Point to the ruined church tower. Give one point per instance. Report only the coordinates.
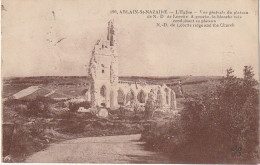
(103, 70)
(106, 91)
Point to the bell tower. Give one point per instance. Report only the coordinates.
(111, 33)
(103, 70)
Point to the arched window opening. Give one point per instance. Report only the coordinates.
(141, 96)
(103, 68)
(167, 95)
(159, 98)
(120, 97)
(103, 91)
(130, 96)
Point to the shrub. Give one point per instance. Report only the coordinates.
(222, 125)
(38, 106)
(27, 139)
(75, 106)
(34, 107)
(71, 126)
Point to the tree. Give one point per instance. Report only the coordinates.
(223, 124)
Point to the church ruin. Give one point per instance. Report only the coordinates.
(105, 87)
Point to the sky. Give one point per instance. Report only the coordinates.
(55, 38)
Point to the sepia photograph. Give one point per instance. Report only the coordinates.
(139, 82)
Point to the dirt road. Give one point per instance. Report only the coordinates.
(109, 149)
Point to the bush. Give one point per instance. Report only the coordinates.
(34, 107)
(39, 106)
(27, 139)
(222, 125)
(75, 106)
(71, 126)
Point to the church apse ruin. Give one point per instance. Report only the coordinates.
(108, 91)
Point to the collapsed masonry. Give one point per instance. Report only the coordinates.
(105, 88)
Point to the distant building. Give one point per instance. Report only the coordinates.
(105, 88)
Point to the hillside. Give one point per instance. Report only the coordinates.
(74, 86)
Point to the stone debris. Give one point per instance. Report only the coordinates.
(74, 100)
(77, 100)
(103, 113)
(82, 109)
(94, 110)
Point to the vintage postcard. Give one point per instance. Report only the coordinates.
(110, 81)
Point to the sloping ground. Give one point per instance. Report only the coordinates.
(48, 94)
(34, 91)
(192, 87)
(46, 80)
(71, 91)
(25, 92)
(69, 87)
(30, 93)
(58, 96)
(194, 79)
(41, 92)
(197, 89)
(82, 80)
(66, 92)
(10, 89)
